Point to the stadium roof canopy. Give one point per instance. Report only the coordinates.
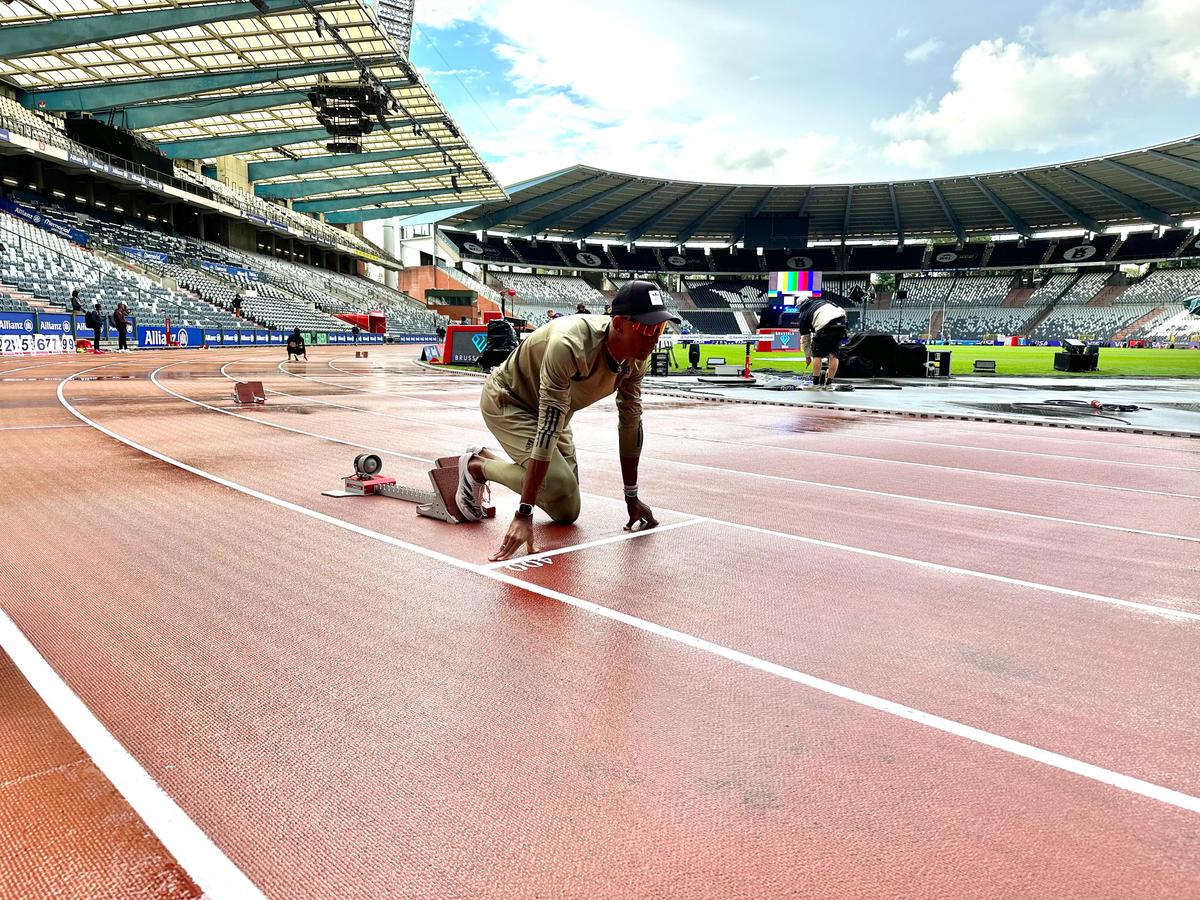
(1158, 185)
(209, 78)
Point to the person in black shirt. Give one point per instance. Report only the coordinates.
(295, 345)
(822, 327)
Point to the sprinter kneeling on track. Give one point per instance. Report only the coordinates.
(528, 400)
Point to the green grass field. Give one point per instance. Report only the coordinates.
(1009, 360)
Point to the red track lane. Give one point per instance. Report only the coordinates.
(1085, 559)
(64, 831)
(1005, 658)
(348, 719)
(1166, 514)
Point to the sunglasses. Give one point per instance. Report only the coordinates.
(647, 330)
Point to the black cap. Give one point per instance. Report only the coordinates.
(643, 301)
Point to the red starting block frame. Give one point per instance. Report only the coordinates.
(249, 393)
(435, 504)
(362, 354)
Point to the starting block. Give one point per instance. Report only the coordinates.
(361, 354)
(249, 392)
(435, 504)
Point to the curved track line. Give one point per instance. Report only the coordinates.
(949, 726)
(1161, 611)
(873, 459)
(952, 504)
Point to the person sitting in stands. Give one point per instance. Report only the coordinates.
(581, 309)
(295, 345)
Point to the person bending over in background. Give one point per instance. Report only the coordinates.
(295, 345)
(528, 401)
(822, 328)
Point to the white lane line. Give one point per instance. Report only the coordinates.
(37, 427)
(229, 412)
(900, 462)
(517, 563)
(949, 726)
(939, 444)
(967, 469)
(953, 504)
(204, 862)
(1162, 611)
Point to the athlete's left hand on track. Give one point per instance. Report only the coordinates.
(640, 516)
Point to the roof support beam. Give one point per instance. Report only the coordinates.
(1020, 226)
(1133, 204)
(596, 224)
(127, 93)
(336, 203)
(642, 227)
(740, 231)
(203, 148)
(291, 190)
(808, 195)
(896, 218)
(79, 31)
(1192, 164)
(1082, 219)
(1178, 188)
(171, 113)
(540, 225)
(955, 224)
(686, 235)
(488, 220)
(389, 212)
(846, 212)
(279, 168)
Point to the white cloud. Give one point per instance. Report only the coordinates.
(902, 32)
(1048, 90)
(923, 51)
(629, 89)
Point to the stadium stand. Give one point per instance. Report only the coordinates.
(562, 292)
(1087, 322)
(1163, 286)
(47, 268)
(468, 280)
(965, 290)
(974, 323)
(1051, 289)
(1084, 289)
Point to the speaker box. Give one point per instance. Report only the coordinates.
(1074, 362)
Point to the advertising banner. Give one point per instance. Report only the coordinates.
(17, 323)
(36, 218)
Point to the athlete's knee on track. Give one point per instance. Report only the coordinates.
(561, 496)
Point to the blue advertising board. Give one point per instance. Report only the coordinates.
(17, 323)
(139, 253)
(31, 215)
(54, 323)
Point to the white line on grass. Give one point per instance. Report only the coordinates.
(1017, 748)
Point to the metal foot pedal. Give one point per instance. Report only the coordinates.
(434, 504)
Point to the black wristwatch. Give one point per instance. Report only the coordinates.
(525, 511)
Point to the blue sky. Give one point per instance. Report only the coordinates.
(799, 92)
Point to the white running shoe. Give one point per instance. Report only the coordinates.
(469, 497)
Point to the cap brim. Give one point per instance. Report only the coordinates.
(657, 317)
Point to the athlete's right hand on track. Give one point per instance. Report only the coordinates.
(520, 533)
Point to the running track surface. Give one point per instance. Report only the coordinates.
(870, 656)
